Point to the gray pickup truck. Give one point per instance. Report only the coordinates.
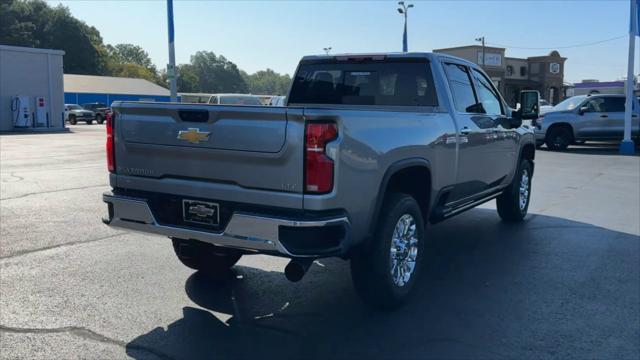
(368, 150)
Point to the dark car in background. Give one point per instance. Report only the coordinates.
(101, 110)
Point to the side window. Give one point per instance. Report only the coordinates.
(614, 104)
(461, 88)
(595, 105)
(488, 95)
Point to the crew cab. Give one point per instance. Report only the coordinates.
(366, 152)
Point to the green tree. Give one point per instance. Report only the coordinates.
(132, 71)
(187, 81)
(268, 82)
(130, 54)
(216, 74)
(128, 60)
(33, 23)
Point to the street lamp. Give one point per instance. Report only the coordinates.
(481, 39)
(327, 49)
(404, 10)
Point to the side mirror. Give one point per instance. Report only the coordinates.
(529, 105)
(583, 110)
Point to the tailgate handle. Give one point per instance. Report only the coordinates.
(200, 116)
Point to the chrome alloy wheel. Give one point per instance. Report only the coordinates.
(404, 250)
(524, 190)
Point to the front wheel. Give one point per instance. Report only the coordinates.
(558, 139)
(209, 259)
(513, 203)
(384, 272)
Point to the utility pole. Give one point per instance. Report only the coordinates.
(404, 10)
(171, 67)
(627, 147)
(327, 49)
(481, 39)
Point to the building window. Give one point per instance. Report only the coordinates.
(509, 70)
(523, 71)
(535, 68)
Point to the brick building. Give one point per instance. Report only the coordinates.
(510, 75)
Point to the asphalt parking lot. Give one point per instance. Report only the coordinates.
(566, 284)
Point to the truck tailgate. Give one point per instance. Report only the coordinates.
(248, 146)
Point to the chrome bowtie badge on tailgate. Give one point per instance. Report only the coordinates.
(193, 135)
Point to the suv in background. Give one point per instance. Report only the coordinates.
(582, 118)
(545, 107)
(74, 113)
(101, 110)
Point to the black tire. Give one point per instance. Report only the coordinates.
(99, 119)
(89, 122)
(211, 260)
(558, 138)
(509, 203)
(72, 120)
(371, 263)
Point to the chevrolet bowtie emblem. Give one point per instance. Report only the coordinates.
(193, 135)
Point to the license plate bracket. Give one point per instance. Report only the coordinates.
(201, 212)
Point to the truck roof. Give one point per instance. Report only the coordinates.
(397, 55)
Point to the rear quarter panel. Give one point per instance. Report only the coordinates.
(369, 143)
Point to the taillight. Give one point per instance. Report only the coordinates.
(318, 166)
(111, 156)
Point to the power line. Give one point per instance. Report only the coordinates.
(560, 47)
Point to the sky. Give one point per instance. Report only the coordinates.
(275, 34)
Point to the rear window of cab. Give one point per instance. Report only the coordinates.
(391, 82)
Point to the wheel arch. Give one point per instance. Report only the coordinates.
(564, 125)
(413, 171)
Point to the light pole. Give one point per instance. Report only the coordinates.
(404, 10)
(171, 68)
(327, 49)
(481, 39)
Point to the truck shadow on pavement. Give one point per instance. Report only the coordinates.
(550, 287)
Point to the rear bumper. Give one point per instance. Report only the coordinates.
(286, 236)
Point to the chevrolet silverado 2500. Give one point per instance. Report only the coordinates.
(367, 151)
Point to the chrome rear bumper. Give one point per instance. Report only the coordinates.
(243, 231)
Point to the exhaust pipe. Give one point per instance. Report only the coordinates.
(296, 268)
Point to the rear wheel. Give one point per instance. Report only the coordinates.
(72, 120)
(209, 259)
(99, 119)
(513, 203)
(558, 138)
(384, 272)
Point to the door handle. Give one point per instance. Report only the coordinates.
(604, 116)
(465, 131)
